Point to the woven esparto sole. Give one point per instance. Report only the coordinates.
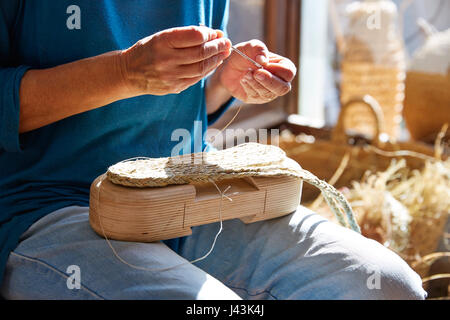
(249, 159)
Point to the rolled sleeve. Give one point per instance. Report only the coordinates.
(10, 79)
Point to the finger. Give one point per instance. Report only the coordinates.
(203, 67)
(271, 82)
(263, 92)
(191, 36)
(262, 59)
(251, 93)
(275, 58)
(220, 33)
(202, 52)
(255, 50)
(284, 69)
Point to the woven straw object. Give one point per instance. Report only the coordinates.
(250, 159)
(373, 63)
(427, 104)
(427, 91)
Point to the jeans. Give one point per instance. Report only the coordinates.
(298, 256)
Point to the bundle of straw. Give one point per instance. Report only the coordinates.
(404, 209)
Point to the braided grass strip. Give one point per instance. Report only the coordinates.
(245, 160)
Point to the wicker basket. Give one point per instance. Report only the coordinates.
(384, 84)
(373, 63)
(425, 234)
(323, 157)
(427, 104)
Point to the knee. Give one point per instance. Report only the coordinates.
(396, 280)
(350, 266)
(384, 275)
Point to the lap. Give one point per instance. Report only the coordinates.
(37, 269)
(302, 256)
(299, 256)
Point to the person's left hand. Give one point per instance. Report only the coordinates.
(244, 81)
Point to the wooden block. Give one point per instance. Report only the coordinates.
(153, 214)
(283, 196)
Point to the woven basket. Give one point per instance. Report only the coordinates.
(373, 63)
(323, 157)
(425, 234)
(427, 104)
(384, 84)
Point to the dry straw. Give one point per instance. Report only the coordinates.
(404, 209)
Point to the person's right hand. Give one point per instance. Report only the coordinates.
(172, 60)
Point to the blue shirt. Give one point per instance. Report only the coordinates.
(52, 167)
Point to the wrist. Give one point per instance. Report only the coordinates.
(127, 81)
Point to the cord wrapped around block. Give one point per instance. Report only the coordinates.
(245, 160)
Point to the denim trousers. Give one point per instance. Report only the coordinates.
(299, 256)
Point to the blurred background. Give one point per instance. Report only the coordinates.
(319, 58)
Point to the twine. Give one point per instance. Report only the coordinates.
(226, 126)
(401, 153)
(336, 176)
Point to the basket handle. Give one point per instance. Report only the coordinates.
(427, 28)
(339, 135)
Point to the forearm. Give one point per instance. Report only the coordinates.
(216, 94)
(49, 95)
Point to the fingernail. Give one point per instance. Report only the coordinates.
(224, 45)
(219, 33)
(259, 76)
(248, 75)
(243, 81)
(261, 59)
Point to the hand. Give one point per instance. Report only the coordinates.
(172, 60)
(245, 82)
